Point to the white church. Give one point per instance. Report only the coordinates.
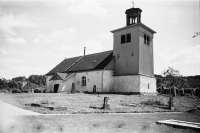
(128, 68)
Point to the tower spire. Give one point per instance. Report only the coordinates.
(133, 3)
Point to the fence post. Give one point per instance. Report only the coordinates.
(94, 89)
(105, 103)
(73, 88)
(171, 103)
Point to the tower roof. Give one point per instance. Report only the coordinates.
(133, 10)
(134, 25)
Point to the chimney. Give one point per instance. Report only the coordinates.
(84, 51)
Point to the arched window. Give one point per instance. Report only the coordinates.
(83, 81)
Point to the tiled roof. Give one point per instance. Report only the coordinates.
(93, 61)
(64, 65)
(82, 63)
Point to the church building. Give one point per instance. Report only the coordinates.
(128, 68)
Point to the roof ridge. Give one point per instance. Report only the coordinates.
(99, 52)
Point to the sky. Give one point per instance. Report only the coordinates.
(35, 36)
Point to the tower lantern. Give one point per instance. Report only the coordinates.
(133, 16)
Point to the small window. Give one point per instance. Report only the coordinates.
(83, 81)
(125, 38)
(148, 85)
(122, 39)
(146, 39)
(128, 37)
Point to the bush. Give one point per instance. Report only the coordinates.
(16, 91)
(197, 92)
(4, 91)
(152, 102)
(25, 91)
(78, 91)
(37, 90)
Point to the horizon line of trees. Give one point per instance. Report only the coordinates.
(171, 79)
(22, 84)
(168, 79)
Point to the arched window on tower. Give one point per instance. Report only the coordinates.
(83, 81)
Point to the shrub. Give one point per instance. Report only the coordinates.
(16, 91)
(25, 91)
(197, 92)
(4, 91)
(37, 90)
(78, 91)
(152, 102)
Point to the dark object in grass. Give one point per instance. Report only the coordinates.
(48, 107)
(171, 103)
(35, 105)
(39, 128)
(116, 93)
(106, 106)
(194, 111)
(95, 125)
(120, 125)
(105, 103)
(60, 128)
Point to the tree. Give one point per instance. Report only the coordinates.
(171, 77)
(13, 84)
(19, 79)
(3, 83)
(37, 79)
(181, 83)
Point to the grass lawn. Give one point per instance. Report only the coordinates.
(80, 103)
(103, 123)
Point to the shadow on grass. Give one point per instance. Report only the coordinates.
(116, 93)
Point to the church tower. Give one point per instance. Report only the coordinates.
(133, 51)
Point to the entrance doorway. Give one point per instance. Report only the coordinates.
(56, 86)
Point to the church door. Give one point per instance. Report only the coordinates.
(56, 86)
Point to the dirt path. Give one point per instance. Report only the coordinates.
(7, 109)
(9, 123)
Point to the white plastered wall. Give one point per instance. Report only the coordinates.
(134, 83)
(126, 83)
(147, 84)
(92, 78)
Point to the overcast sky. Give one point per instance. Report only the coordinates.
(37, 35)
